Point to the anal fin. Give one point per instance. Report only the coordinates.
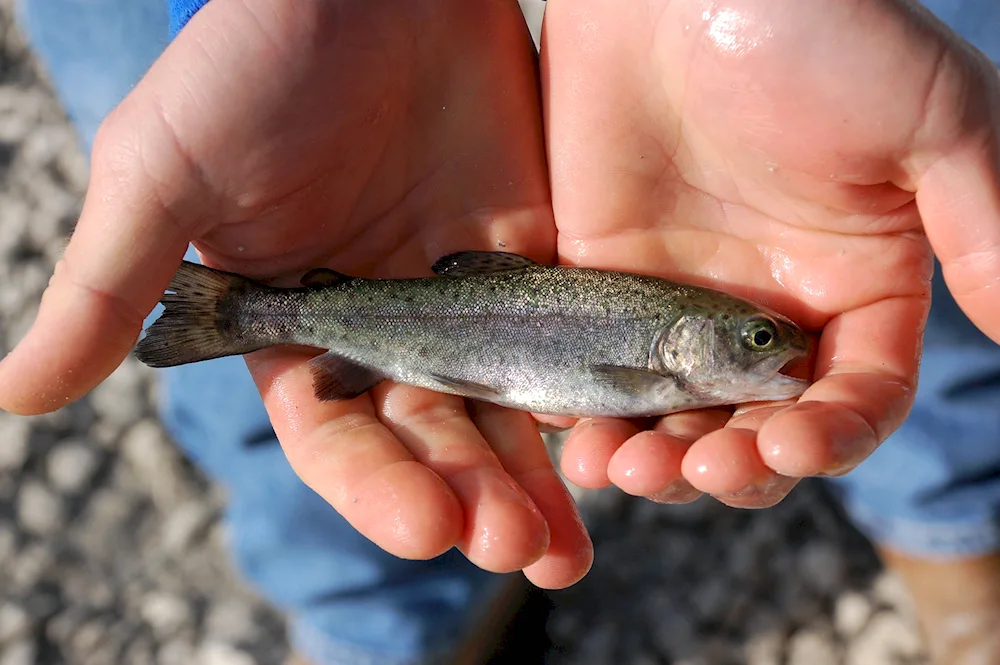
(336, 378)
(468, 388)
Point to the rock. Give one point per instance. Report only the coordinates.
(890, 590)
(165, 613)
(176, 652)
(105, 515)
(185, 525)
(851, 613)
(822, 567)
(220, 653)
(231, 621)
(765, 648)
(812, 647)
(120, 397)
(87, 639)
(8, 542)
(712, 597)
(39, 511)
(15, 432)
(155, 462)
(71, 466)
(675, 634)
(887, 638)
(14, 622)
(19, 653)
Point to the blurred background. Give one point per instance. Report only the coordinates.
(112, 550)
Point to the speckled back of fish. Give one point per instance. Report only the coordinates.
(496, 327)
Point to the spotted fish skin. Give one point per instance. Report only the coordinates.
(497, 327)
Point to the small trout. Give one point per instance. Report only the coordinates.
(496, 327)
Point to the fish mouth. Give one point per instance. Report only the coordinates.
(787, 380)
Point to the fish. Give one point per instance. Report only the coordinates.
(495, 327)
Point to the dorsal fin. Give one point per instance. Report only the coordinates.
(323, 277)
(462, 264)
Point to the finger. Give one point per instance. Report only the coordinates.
(122, 254)
(649, 463)
(503, 529)
(346, 455)
(726, 464)
(589, 448)
(867, 367)
(515, 440)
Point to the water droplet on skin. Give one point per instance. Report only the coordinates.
(734, 32)
(240, 248)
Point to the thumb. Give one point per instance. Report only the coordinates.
(958, 196)
(126, 246)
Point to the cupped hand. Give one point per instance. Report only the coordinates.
(812, 156)
(371, 137)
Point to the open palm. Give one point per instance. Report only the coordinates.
(371, 137)
(807, 155)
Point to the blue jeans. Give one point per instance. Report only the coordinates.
(933, 488)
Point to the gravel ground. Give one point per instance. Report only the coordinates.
(111, 549)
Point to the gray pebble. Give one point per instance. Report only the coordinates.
(176, 652)
(120, 398)
(165, 613)
(39, 510)
(185, 525)
(220, 653)
(14, 622)
(19, 653)
(765, 648)
(71, 466)
(231, 620)
(821, 565)
(8, 541)
(812, 647)
(598, 646)
(890, 590)
(851, 613)
(14, 435)
(887, 638)
(155, 463)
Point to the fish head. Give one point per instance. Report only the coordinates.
(731, 351)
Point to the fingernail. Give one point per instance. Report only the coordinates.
(761, 495)
(678, 492)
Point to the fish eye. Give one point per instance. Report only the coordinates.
(759, 334)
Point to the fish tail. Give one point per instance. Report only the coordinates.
(201, 320)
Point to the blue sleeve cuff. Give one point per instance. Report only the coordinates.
(181, 12)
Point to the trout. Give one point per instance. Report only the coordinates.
(496, 327)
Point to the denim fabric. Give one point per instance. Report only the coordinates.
(934, 487)
(181, 12)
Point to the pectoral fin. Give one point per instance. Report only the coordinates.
(462, 264)
(337, 378)
(634, 381)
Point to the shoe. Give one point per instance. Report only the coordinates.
(957, 602)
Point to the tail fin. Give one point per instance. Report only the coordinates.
(200, 321)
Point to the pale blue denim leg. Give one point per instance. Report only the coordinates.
(933, 488)
(351, 602)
